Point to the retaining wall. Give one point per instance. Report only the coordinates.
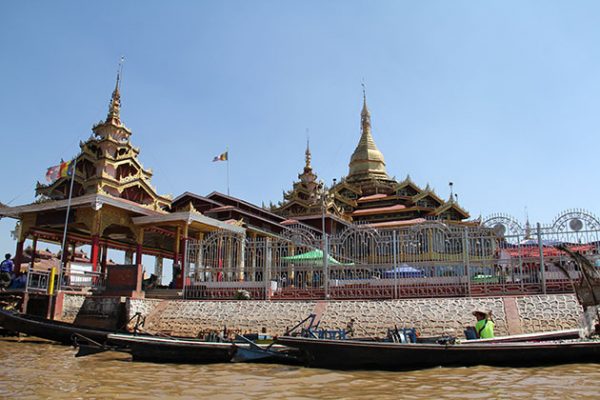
(512, 315)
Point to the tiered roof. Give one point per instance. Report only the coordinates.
(108, 164)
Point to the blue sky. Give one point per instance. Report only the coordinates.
(499, 97)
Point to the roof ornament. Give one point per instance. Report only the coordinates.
(307, 153)
(451, 199)
(114, 108)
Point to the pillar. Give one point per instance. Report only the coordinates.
(241, 257)
(176, 258)
(33, 250)
(158, 268)
(104, 257)
(18, 256)
(95, 251)
(128, 257)
(138, 248)
(183, 256)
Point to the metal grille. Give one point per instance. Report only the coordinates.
(432, 259)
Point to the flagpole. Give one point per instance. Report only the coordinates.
(227, 152)
(64, 239)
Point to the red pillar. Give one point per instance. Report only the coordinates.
(18, 257)
(95, 249)
(138, 254)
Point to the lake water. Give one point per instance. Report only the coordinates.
(35, 369)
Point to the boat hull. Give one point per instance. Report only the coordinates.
(56, 331)
(349, 354)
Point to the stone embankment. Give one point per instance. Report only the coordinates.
(512, 315)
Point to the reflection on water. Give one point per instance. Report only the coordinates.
(41, 370)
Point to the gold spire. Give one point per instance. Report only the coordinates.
(366, 161)
(307, 153)
(114, 108)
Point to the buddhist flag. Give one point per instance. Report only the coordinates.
(221, 157)
(66, 169)
(62, 170)
(53, 173)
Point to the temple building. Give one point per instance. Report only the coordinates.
(367, 195)
(113, 205)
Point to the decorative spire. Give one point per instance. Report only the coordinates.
(366, 161)
(451, 199)
(114, 108)
(307, 153)
(365, 115)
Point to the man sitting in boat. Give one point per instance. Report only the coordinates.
(484, 326)
(6, 272)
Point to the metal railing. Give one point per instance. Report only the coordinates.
(41, 281)
(432, 259)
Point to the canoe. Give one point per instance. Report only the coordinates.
(56, 331)
(192, 351)
(353, 354)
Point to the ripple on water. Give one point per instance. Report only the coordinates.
(42, 370)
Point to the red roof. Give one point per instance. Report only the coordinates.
(372, 197)
(379, 210)
(397, 223)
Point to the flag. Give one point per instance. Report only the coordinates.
(221, 157)
(66, 169)
(53, 173)
(62, 170)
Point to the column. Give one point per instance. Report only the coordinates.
(158, 268)
(95, 251)
(241, 256)
(128, 257)
(176, 257)
(183, 256)
(138, 249)
(33, 251)
(104, 257)
(18, 256)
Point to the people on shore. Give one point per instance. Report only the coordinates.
(6, 272)
(484, 328)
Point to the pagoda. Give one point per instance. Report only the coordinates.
(108, 164)
(307, 196)
(368, 195)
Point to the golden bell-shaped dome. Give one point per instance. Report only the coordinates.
(366, 161)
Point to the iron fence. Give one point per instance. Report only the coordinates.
(496, 256)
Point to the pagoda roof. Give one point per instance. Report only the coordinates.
(391, 224)
(372, 197)
(379, 210)
(89, 200)
(189, 217)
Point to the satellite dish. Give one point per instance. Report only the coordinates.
(576, 224)
(499, 229)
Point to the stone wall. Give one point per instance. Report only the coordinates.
(372, 318)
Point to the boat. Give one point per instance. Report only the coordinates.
(354, 354)
(195, 351)
(57, 331)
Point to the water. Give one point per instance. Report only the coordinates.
(35, 369)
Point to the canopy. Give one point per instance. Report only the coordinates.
(314, 257)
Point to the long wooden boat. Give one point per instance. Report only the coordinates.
(196, 351)
(57, 331)
(353, 354)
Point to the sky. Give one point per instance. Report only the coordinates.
(499, 97)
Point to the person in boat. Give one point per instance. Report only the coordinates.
(350, 328)
(484, 328)
(6, 271)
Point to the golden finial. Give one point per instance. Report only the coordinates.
(114, 108)
(307, 153)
